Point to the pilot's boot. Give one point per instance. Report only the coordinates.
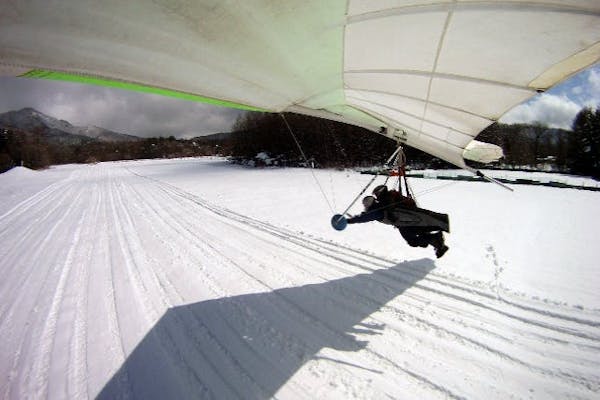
(438, 243)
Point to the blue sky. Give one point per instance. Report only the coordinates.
(151, 115)
(558, 106)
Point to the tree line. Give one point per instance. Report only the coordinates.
(536, 146)
(325, 143)
(36, 151)
(332, 144)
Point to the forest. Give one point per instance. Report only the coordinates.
(332, 144)
(323, 143)
(36, 151)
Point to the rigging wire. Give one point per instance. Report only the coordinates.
(400, 168)
(389, 160)
(338, 147)
(435, 189)
(307, 162)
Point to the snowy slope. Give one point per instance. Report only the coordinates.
(197, 279)
(31, 120)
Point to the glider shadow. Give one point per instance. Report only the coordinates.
(249, 346)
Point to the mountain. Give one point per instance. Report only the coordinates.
(217, 137)
(59, 131)
(105, 135)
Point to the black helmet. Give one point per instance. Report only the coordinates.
(379, 190)
(368, 201)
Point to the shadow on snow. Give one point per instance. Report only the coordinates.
(248, 346)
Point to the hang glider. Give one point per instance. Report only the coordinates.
(431, 74)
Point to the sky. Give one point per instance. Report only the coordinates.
(558, 106)
(148, 115)
(123, 111)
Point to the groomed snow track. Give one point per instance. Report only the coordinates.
(118, 285)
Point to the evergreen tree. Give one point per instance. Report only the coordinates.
(327, 143)
(584, 143)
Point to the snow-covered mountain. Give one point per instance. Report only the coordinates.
(31, 120)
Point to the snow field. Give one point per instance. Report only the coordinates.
(197, 279)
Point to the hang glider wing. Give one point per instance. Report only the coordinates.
(430, 73)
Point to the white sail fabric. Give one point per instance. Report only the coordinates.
(431, 73)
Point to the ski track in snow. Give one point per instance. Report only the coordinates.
(118, 285)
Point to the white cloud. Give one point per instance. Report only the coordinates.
(594, 79)
(558, 107)
(578, 90)
(548, 109)
(586, 88)
(119, 110)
